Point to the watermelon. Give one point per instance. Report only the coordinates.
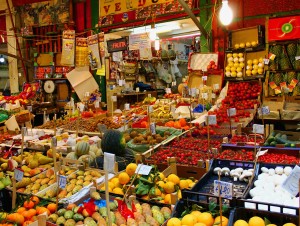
(113, 142)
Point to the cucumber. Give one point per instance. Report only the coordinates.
(273, 143)
(279, 140)
(272, 134)
(270, 139)
(266, 144)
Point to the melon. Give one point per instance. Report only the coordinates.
(86, 159)
(92, 154)
(113, 142)
(72, 155)
(82, 148)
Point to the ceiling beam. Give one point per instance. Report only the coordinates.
(194, 18)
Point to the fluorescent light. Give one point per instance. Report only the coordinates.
(226, 14)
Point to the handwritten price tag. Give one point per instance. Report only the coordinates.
(150, 109)
(225, 189)
(168, 90)
(109, 162)
(143, 169)
(266, 61)
(153, 128)
(18, 174)
(231, 112)
(212, 120)
(204, 78)
(257, 128)
(265, 110)
(291, 183)
(62, 182)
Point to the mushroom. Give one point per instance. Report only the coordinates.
(245, 176)
(264, 170)
(279, 170)
(239, 170)
(235, 175)
(217, 170)
(287, 170)
(271, 172)
(225, 171)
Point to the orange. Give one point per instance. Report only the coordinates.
(26, 214)
(289, 224)
(174, 221)
(199, 224)
(69, 207)
(206, 218)
(131, 168)
(28, 204)
(52, 207)
(182, 122)
(224, 221)
(240, 223)
(32, 212)
(35, 199)
(196, 213)
(16, 218)
(42, 210)
(21, 210)
(256, 221)
(124, 178)
(189, 220)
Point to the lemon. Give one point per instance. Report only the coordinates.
(196, 213)
(169, 187)
(116, 182)
(224, 221)
(206, 218)
(256, 221)
(131, 168)
(174, 221)
(289, 224)
(124, 178)
(118, 191)
(240, 223)
(183, 184)
(174, 178)
(162, 176)
(189, 220)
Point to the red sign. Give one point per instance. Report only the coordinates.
(284, 28)
(117, 45)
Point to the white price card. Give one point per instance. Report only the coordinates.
(261, 152)
(114, 98)
(297, 57)
(18, 174)
(204, 96)
(137, 89)
(216, 86)
(153, 128)
(174, 83)
(231, 112)
(143, 169)
(223, 189)
(109, 162)
(168, 90)
(257, 128)
(204, 78)
(62, 182)
(264, 110)
(212, 119)
(266, 61)
(53, 142)
(150, 109)
(291, 183)
(149, 94)
(127, 106)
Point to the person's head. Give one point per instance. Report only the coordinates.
(113, 142)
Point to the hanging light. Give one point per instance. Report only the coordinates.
(156, 44)
(226, 14)
(2, 59)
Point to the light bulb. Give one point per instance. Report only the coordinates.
(156, 44)
(153, 34)
(2, 59)
(226, 14)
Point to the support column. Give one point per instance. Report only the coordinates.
(12, 49)
(205, 21)
(95, 18)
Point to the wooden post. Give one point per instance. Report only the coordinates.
(14, 194)
(22, 143)
(208, 136)
(220, 199)
(107, 199)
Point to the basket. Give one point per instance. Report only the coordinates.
(201, 192)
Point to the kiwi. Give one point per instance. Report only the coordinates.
(167, 133)
(127, 138)
(144, 142)
(133, 134)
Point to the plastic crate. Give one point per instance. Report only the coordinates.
(275, 218)
(250, 204)
(201, 192)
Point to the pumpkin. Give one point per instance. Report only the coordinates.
(72, 155)
(86, 159)
(113, 142)
(92, 154)
(16, 218)
(82, 148)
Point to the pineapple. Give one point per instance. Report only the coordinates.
(292, 51)
(296, 90)
(270, 90)
(278, 78)
(284, 61)
(290, 76)
(276, 49)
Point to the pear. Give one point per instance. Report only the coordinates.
(44, 160)
(34, 163)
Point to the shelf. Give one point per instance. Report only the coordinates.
(50, 79)
(287, 70)
(243, 78)
(263, 147)
(246, 49)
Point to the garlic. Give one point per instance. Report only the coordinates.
(287, 170)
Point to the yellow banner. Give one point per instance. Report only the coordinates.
(108, 7)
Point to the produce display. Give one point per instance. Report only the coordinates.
(253, 221)
(145, 137)
(249, 44)
(179, 124)
(267, 186)
(156, 186)
(245, 139)
(279, 138)
(235, 65)
(255, 67)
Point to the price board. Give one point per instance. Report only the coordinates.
(223, 189)
(62, 181)
(143, 169)
(18, 174)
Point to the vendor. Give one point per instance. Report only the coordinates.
(113, 142)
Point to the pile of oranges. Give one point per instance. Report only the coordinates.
(28, 213)
(180, 124)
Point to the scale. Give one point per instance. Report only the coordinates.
(49, 88)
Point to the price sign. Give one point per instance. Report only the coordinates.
(150, 109)
(291, 183)
(213, 95)
(127, 106)
(168, 90)
(114, 98)
(143, 169)
(153, 128)
(174, 83)
(62, 182)
(260, 153)
(109, 162)
(216, 86)
(204, 78)
(266, 61)
(297, 57)
(18, 174)
(137, 89)
(53, 141)
(149, 94)
(231, 112)
(204, 96)
(265, 110)
(225, 189)
(257, 128)
(212, 119)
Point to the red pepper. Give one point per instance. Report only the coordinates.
(123, 209)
